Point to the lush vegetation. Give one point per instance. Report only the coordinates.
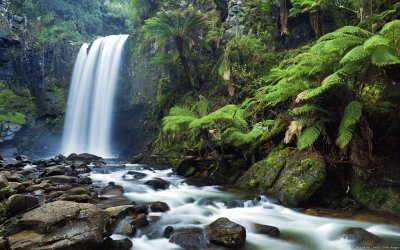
(15, 108)
(322, 95)
(74, 20)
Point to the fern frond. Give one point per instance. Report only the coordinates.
(237, 138)
(376, 41)
(177, 123)
(352, 115)
(181, 111)
(307, 108)
(384, 56)
(356, 54)
(309, 136)
(390, 29)
(329, 82)
(346, 30)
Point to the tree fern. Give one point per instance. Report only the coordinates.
(347, 31)
(356, 54)
(307, 108)
(352, 115)
(309, 135)
(375, 41)
(384, 56)
(237, 138)
(329, 82)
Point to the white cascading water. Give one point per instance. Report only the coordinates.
(87, 127)
(199, 206)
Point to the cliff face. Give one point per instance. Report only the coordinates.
(39, 41)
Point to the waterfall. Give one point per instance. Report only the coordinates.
(88, 120)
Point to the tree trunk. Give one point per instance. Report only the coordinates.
(317, 23)
(180, 46)
(284, 17)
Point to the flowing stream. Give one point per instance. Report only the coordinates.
(199, 206)
(88, 120)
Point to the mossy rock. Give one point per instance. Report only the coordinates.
(290, 175)
(263, 173)
(385, 199)
(302, 175)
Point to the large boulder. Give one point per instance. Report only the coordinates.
(83, 157)
(290, 175)
(188, 237)
(112, 189)
(19, 203)
(3, 181)
(378, 198)
(224, 232)
(158, 184)
(58, 225)
(361, 237)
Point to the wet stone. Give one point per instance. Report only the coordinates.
(224, 232)
(267, 230)
(159, 207)
(188, 237)
(111, 244)
(157, 184)
(140, 221)
(112, 189)
(134, 175)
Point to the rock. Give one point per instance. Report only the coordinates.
(361, 237)
(126, 229)
(41, 186)
(159, 207)
(378, 198)
(111, 244)
(289, 175)
(23, 159)
(61, 179)
(134, 175)
(188, 238)
(224, 232)
(4, 244)
(120, 212)
(54, 171)
(13, 176)
(81, 198)
(99, 164)
(83, 157)
(112, 189)
(84, 181)
(54, 195)
(78, 191)
(141, 209)
(267, 230)
(3, 181)
(82, 169)
(19, 203)
(158, 184)
(6, 192)
(140, 221)
(59, 224)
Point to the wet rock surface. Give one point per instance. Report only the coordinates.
(157, 184)
(224, 232)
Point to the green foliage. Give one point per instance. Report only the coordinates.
(352, 115)
(238, 138)
(185, 24)
(309, 136)
(16, 108)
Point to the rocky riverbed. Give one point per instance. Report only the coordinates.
(85, 202)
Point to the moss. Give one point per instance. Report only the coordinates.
(16, 107)
(287, 174)
(386, 199)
